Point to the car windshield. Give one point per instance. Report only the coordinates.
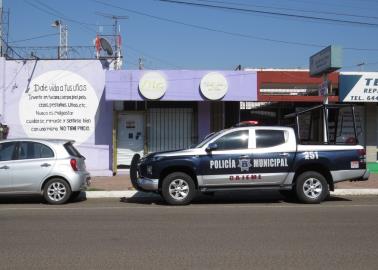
(208, 138)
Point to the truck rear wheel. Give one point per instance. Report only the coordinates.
(311, 187)
(178, 188)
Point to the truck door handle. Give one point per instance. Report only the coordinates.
(45, 165)
(283, 154)
(244, 156)
(5, 167)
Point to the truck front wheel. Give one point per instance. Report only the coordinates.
(311, 187)
(178, 188)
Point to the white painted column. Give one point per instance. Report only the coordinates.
(371, 132)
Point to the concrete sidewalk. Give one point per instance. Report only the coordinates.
(120, 186)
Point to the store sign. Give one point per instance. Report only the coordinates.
(214, 86)
(152, 85)
(325, 61)
(362, 87)
(59, 104)
(323, 88)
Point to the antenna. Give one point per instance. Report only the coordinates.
(105, 45)
(117, 36)
(63, 39)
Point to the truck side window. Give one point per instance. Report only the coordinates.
(234, 140)
(269, 138)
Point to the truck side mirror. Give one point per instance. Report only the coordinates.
(211, 147)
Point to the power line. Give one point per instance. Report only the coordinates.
(64, 16)
(153, 57)
(227, 32)
(48, 11)
(329, 3)
(32, 38)
(292, 9)
(280, 14)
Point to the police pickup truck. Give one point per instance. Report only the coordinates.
(249, 157)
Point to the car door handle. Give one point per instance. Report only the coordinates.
(45, 165)
(5, 167)
(283, 154)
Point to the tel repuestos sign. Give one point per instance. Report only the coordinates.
(59, 104)
(361, 87)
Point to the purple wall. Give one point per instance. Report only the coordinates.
(183, 85)
(203, 119)
(15, 75)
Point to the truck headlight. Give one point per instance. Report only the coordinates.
(157, 158)
(149, 170)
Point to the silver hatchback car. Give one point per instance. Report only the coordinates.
(52, 168)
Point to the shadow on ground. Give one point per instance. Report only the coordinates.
(34, 199)
(229, 197)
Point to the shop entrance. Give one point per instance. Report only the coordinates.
(130, 137)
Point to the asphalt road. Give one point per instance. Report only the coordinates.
(221, 232)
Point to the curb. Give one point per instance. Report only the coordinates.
(138, 194)
(118, 194)
(355, 192)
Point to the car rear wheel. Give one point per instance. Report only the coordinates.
(311, 187)
(178, 188)
(57, 191)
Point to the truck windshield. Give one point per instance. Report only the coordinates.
(208, 138)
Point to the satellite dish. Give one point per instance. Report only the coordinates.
(105, 45)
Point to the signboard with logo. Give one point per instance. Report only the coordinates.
(214, 86)
(181, 85)
(323, 88)
(359, 87)
(59, 104)
(325, 61)
(152, 85)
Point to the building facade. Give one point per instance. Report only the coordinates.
(59, 99)
(112, 114)
(172, 109)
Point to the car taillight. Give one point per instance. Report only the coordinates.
(73, 163)
(362, 155)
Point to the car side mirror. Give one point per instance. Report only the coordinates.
(211, 147)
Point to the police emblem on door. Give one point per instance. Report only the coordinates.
(244, 164)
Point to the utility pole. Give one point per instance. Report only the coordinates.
(4, 29)
(117, 37)
(1, 27)
(141, 65)
(361, 66)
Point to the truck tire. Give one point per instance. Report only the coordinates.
(178, 188)
(311, 187)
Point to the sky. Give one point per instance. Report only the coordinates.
(208, 34)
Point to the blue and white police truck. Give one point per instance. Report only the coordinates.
(250, 157)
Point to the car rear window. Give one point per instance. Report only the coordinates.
(72, 150)
(269, 138)
(33, 150)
